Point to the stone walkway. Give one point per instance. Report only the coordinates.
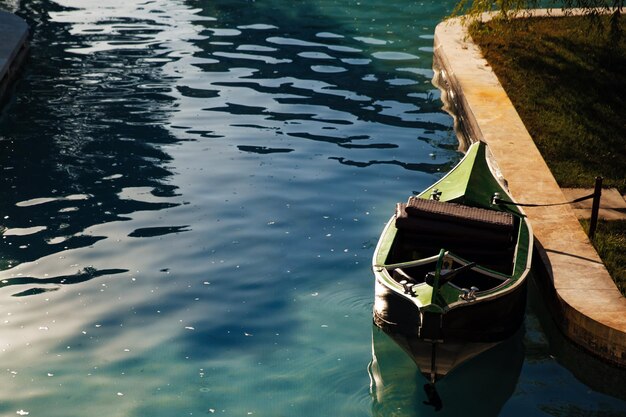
(612, 203)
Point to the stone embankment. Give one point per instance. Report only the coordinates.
(13, 50)
(583, 298)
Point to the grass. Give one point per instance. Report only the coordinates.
(567, 81)
(610, 242)
(569, 88)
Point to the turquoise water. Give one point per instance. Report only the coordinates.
(191, 195)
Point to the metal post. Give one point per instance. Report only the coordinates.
(595, 207)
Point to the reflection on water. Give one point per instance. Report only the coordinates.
(595, 373)
(478, 387)
(190, 196)
(69, 149)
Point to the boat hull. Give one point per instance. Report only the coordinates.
(486, 321)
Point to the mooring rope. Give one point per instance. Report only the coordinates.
(497, 200)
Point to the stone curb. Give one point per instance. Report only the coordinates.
(584, 300)
(13, 50)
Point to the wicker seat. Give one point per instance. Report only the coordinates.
(477, 234)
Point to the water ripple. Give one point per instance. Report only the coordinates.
(191, 193)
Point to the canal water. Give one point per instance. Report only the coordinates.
(190, 196)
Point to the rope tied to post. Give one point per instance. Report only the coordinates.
(595, 207)
(497, 200)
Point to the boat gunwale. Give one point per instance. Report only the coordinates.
(514, 280)
(507, 286)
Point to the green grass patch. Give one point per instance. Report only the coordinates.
(567, 81)
(610, 241)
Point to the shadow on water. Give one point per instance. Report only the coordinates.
(591, 371)
(81, 276)
(480, 386)
(68, 148)
(90, 123)
(333, 80)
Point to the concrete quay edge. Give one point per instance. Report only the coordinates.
(13, 49)
(584, 301)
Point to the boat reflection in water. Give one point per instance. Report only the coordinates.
(479, 377)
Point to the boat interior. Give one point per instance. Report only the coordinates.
(425, 227)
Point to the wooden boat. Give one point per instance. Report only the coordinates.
(451, 264)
